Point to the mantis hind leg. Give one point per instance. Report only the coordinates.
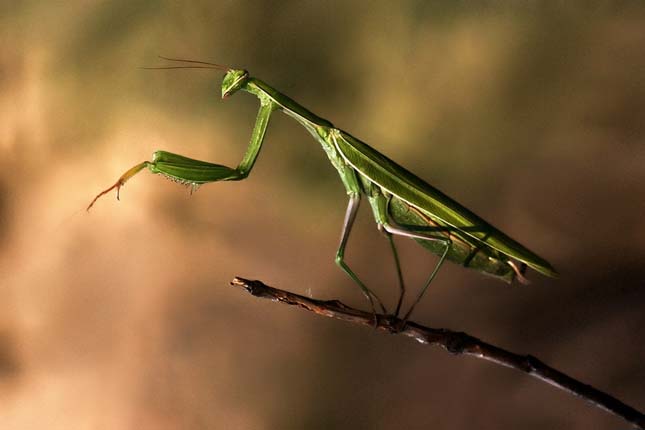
(350, 216)
(399, 273)
(406, 233)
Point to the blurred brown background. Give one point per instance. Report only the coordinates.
(533, 116)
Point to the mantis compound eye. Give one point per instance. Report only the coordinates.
(233, 81)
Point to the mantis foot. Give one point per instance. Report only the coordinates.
(119, 183)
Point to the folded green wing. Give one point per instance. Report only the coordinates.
(407, 186)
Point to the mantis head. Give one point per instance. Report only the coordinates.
(233, 81)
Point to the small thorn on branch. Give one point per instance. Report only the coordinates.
(457, 343)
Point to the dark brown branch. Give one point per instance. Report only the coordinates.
(452, 341)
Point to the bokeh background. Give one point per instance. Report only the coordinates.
(531, 115)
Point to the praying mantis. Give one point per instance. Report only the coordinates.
(402, 204)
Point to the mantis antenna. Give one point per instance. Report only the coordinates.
(204, 64)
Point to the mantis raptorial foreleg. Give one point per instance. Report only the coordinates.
(195, 172)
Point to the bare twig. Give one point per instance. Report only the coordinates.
(452, 341)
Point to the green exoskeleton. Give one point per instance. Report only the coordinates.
(402, 203)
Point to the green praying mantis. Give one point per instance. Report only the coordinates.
(402, 203)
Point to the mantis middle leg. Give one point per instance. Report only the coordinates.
(350, 216)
